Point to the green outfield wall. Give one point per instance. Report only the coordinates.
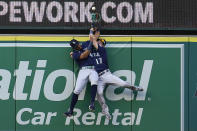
(37, 77)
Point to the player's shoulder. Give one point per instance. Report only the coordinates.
(85, 44)
(101, 47)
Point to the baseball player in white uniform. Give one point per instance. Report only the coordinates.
(86, 73)
(105, 76)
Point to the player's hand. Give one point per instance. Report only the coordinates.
(71, 54)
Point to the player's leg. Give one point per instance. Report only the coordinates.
(100, 89)
(93, 78)
(101, 99)
(116, 81)
(82, 80)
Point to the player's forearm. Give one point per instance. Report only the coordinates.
(85, 54)
(95, 44)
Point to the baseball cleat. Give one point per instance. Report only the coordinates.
(136, 88)
(68, 114)
(91, 107)
(108, 116)
(106, 113)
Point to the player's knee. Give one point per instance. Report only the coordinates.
(94, 83)
(100, 92)
(77, 92)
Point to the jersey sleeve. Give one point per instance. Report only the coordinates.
(76, 55)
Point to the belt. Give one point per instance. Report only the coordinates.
(87, 67)
(103, 72)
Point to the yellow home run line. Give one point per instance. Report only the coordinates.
(44, 38)
(160, 39)
(7, 38)
(193, 39)
(107, 38)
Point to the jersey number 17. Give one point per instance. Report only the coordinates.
(99, 61)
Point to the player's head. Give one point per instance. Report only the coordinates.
(101, 42)
(75, 44)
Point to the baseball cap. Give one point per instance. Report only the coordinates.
(102, 40)
(74, 43)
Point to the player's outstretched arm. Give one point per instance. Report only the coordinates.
(95, 44)
(94, 39)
